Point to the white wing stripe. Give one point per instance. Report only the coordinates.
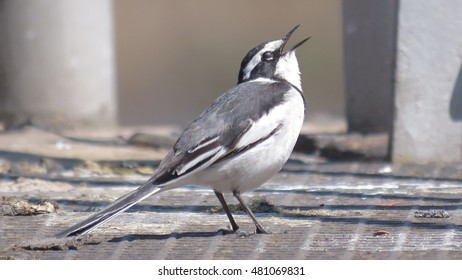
(198, 159)
(203, 145)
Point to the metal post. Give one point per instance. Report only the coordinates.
(369, 36)
(57, 61)
(428, 96)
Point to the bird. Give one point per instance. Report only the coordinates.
(238, 143)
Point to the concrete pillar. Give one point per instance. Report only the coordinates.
(57, 61)
(428, 95)
(369, 36)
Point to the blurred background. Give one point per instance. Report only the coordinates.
(166, 60)
(175, 57)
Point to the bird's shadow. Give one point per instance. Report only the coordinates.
(176, 235)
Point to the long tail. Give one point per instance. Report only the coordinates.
(111, 211)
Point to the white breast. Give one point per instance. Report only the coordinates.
(253, 167)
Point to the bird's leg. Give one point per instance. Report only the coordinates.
(226, 209)
(259, 229)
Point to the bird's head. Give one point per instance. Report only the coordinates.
(270, 60)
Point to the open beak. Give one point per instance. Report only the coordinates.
(286, 38)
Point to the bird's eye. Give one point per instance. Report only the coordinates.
(267, 56)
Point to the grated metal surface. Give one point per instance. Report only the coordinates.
(324, 211)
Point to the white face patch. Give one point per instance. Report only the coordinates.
(271, 46)
(287, 68)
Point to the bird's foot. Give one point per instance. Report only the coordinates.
(242, 233)
(228, 230)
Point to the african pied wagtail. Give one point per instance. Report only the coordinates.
(237, 143)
